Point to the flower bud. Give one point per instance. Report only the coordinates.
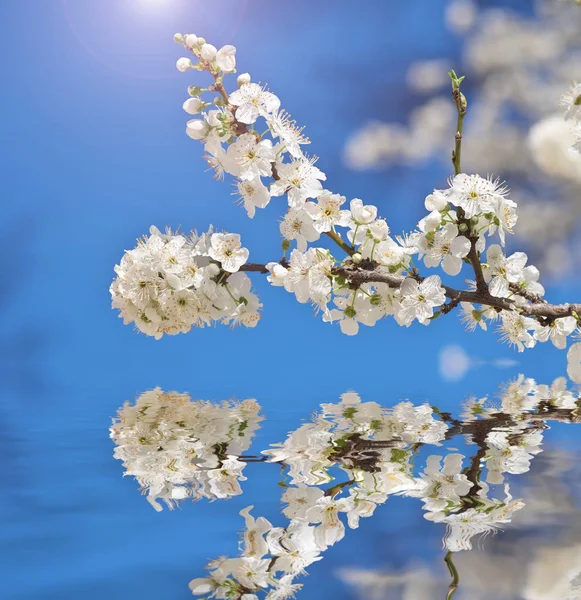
(357, 258)
(285, 245)
(197, 129)
(178, 38)
(242, 79)
(350, 312)
(208, 52)
(212, 270)
(191, 40)
(183, 64)
(194, 90)
(193, 106)
(201, 41)
(463, 227)
(436, 201)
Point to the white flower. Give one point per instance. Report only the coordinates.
(291, 136)
(430, 222)
(277, 274)
(253, 194)
(572, 103)
(362, 215)
(503, 270)
(387, 252)
(297, 280)
(226, 59)
(227, 250)
(254, 542)
(510, 452)
(300, 499)
(351, 311)
(463, 526)
(574, 363)
(284, 588)
(253, 158)
(202, 585)
(448, 248)
(506, 217)
(436, 201)
(298, 225)
(326, 512)
(252, 101)
(474, 194)
(557, 331)
(441, 485)
(252, 572)
(326, 213)
(472, 317)
(516, 329)
(418, 300)
(295, 548)
(183, 64)
(300, 180)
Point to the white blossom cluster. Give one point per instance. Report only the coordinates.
(177, 448)
(272, 557)
(340, 466)
(519, 62)
(546, 567)
(447, 498)
(171, 282)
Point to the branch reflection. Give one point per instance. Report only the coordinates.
(339, 467)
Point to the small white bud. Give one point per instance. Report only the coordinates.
(357, 258)
(208, 52)
(243, 78)
(193, 106)
(437, 201)
(178, 38)
(183, 64)
(197, 129)
(191, 40)
(201, 41)
(212, 270)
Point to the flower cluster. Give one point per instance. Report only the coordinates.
(170, 283)
(340, 466)
(177, 448)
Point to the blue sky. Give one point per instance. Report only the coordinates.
(94, 153)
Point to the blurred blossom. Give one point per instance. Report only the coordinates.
(518, 66)
(453, 363)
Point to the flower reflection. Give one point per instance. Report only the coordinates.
(340, 466)
(178, 448)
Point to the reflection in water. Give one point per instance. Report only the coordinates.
(177, 448)
(538, 558)
(340, 466)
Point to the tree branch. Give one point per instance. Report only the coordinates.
(371, 273)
